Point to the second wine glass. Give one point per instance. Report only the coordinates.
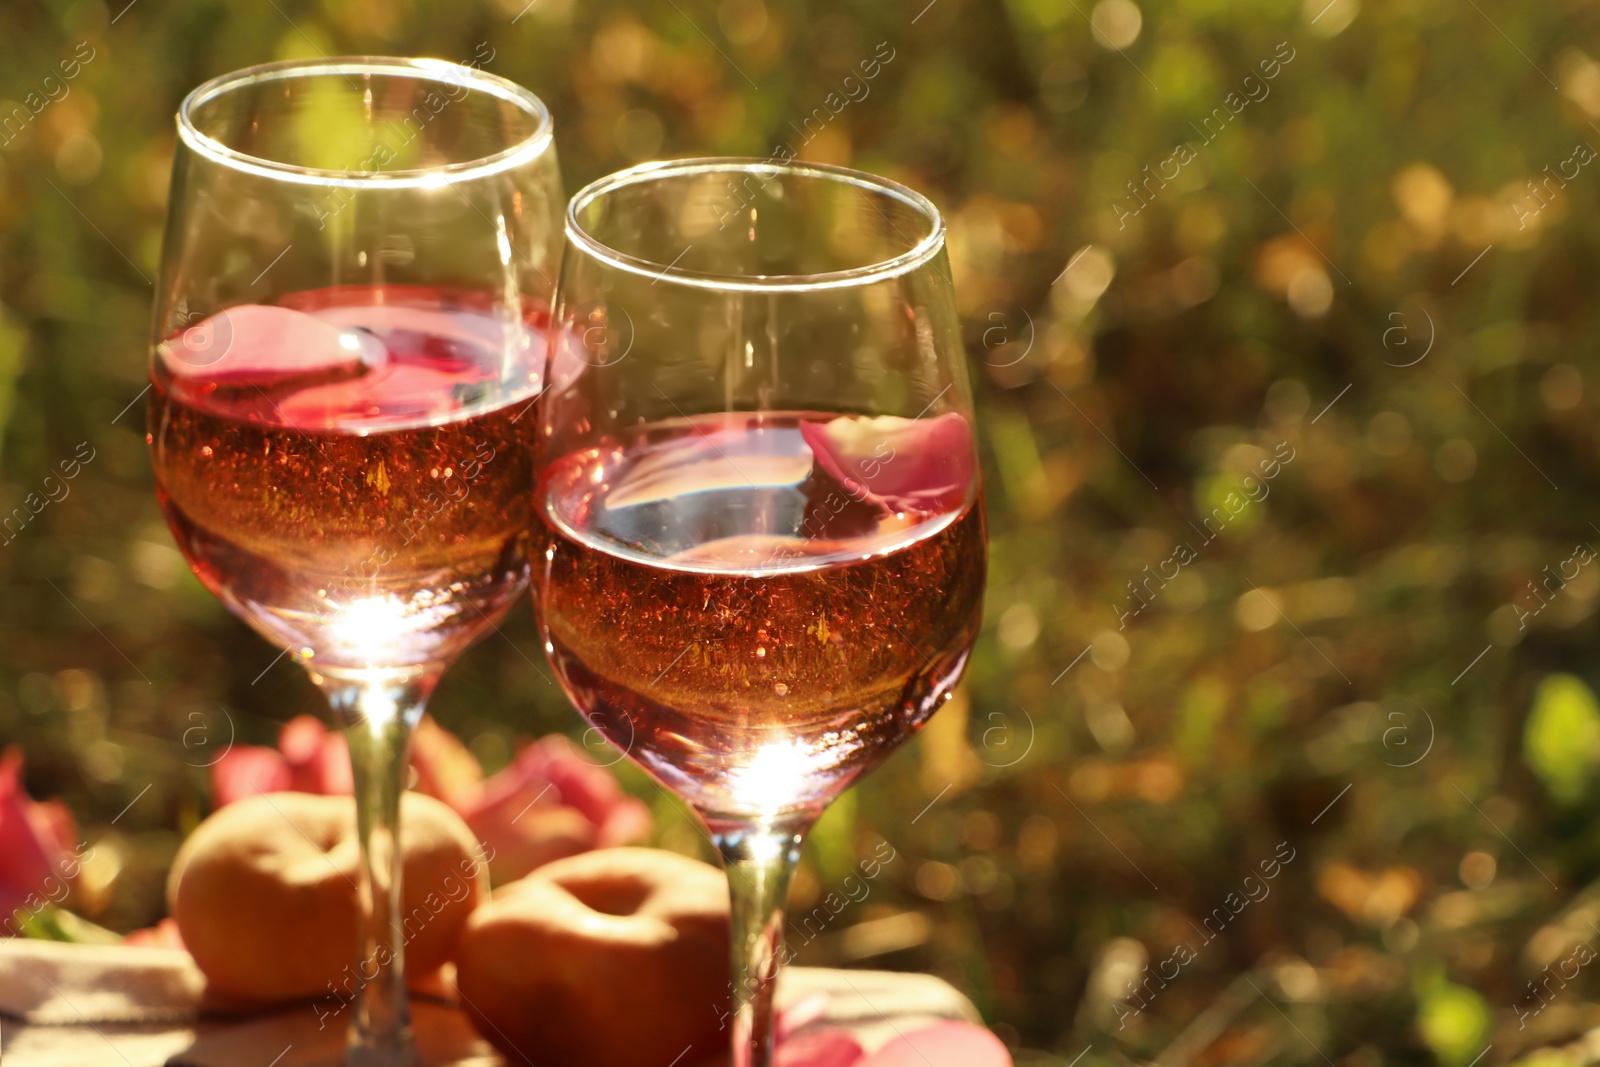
(760, 563)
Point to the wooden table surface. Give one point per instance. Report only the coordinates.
(873, 1005)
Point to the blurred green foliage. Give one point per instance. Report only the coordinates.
(1562, 741)
(1454, 1020)
(1380, 258)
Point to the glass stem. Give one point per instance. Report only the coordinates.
(760, 858)
(380, 710)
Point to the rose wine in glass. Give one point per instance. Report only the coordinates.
(759, 557)
(349, 336)
(755, 647)
(372, 503)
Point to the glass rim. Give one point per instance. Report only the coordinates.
(422, 69)
(905, 262)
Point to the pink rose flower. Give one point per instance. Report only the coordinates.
(548, 803)
(37, 840)
(318, 758)
(245, 770)
(309, 758)
(943, 1044)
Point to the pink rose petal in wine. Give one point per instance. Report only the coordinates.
(925, 465)
(410, 393)
(260, 342)
(945, 1044)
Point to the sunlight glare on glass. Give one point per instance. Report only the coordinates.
(371, 628)
(775, 777)
(378, 705)
(503, 240)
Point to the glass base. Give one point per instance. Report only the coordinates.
(399, 1051)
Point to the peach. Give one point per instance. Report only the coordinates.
(264, 893)
(612, 958)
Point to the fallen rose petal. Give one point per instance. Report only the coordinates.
(828, 1047)
(245, 770)
(945, 1044)
(163, 934)
(925, 464)
(35, 840)
(802, 1013)
(824, 1047)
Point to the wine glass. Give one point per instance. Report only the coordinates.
(760, 561)
(349, 332)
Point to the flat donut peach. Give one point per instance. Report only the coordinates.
(264, 893)
(612, 958)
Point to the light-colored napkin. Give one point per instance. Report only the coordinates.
(115, 1006)
(74, 985)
